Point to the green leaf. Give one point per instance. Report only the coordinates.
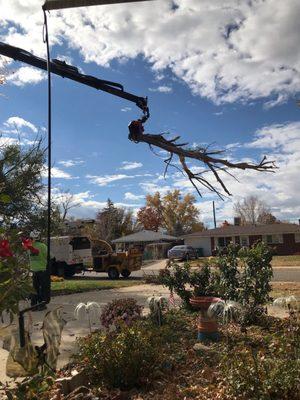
(4, 198)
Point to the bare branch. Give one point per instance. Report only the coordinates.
(204, 155)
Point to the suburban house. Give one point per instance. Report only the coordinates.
(285, 238)
(154, 245)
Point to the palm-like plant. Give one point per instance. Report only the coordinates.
(89, 311)
(225, 311)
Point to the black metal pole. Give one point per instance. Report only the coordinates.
(214, 213)
(46, 38)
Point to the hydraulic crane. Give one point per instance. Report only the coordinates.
(65, 70)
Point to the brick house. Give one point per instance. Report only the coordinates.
(285, 238)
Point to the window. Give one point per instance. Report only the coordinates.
(244, 241)
(297, 237)
(80, 243)
(221, 242)
(237, 240)
(273, 239)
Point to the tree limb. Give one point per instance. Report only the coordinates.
(204, 155)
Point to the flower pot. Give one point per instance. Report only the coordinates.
(207, 327)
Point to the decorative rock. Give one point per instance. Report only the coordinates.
(202, 350)
(81, 393)
(71, 383)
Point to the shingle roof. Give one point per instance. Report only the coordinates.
(248, 230)
(145, 236)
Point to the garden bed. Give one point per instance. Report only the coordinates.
(208, 373)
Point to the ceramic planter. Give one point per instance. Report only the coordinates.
(207, 327)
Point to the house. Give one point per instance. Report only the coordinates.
(285, 238)
(153, 244)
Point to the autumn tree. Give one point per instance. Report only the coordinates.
(178, 214)
(113, 222)
(253, 211)
(149, 218)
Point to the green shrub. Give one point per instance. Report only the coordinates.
(245, 275)
(121, 359)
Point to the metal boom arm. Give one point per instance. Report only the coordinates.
(68, 71)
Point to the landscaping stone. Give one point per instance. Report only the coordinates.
(202, 350)
(81, 393)
(71, 383)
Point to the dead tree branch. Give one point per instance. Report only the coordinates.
(209, 158)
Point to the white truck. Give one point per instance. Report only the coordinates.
(70, 255)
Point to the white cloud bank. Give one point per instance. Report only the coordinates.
(226, 52)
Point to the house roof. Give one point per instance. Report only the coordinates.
(145, 236)
(232, 230)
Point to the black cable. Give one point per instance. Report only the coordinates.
(46, 40)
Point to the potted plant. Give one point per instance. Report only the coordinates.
(198, 289)
(205, 289)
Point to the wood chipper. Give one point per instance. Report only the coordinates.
(114, 263)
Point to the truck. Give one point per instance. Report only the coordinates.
(75, 254)
(70, 255)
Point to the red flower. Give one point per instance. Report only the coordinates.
(5, 250)
(27, 245)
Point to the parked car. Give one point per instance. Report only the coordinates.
(182, 252)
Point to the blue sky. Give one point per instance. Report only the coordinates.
(236, 92)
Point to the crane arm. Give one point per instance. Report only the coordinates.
(65, 70)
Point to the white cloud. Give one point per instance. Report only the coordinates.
(162, 89)
(126, 109)
(107, 179)
(18, 122)
(70, 163)
(133, 197)
(235, 52)
(25, 75)
(57, 173)
(131, 165)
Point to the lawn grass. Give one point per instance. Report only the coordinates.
(81, 285)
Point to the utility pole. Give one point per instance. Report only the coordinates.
(214, 213)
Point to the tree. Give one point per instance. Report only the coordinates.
(178, 214)
(253, 211)
(20, 180)
(65, 202)
(113, 222)
(149, 218)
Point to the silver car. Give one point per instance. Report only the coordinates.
(182, 252)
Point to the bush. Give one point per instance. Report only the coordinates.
(272, 373)
(245, 275)
(121, 359)
(120, 311)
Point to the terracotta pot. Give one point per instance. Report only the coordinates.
(207, 327)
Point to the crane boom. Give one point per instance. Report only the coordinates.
(65, 70)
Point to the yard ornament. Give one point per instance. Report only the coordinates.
(157, 305)
(29, 359)
(89, 311)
